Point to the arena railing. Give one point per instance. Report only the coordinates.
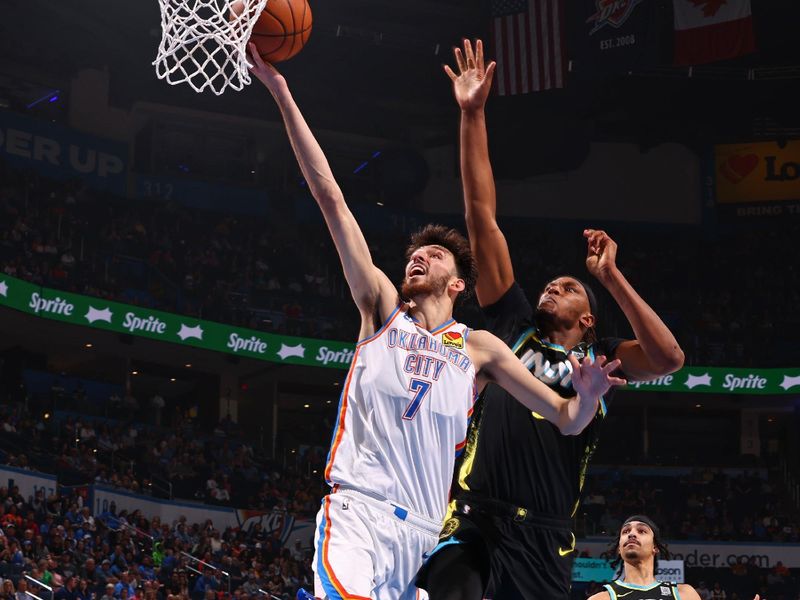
(39, 584)
(200, 561)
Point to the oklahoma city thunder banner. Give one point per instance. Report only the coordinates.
(614, 36)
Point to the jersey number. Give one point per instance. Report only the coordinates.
(420, 389)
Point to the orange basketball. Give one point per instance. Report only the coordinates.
(282, 29)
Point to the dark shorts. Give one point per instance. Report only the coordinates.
(520, 556)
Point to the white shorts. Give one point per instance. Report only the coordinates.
(369, 549)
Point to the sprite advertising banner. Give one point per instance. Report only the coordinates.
(140, 321)
(135, 320)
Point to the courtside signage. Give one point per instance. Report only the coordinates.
(601, 571)
(158, 325)
(714, 554)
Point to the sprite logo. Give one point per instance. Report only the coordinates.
(340, 357)
(251, 344)
(751, 382)
(55, 306)
(150, 324)
(664, 381)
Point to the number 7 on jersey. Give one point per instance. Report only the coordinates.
(419, 388)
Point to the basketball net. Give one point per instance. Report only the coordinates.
(204, 43)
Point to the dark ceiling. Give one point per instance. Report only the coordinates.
(374, 67)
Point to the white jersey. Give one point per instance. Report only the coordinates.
(403, 414)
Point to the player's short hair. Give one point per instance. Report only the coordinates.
(456, 244)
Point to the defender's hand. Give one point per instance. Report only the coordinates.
(601, 255)
(591, 379)
(473, 81)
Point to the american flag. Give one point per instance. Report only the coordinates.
(528, 45)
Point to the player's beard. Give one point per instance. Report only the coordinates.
(554, 318)
(631, 553)
(432, 287)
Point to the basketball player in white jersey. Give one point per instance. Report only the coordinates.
(409, 393)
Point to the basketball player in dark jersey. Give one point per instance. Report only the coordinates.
(638, 548)
(516, 491)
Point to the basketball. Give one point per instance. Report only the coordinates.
(281, 30)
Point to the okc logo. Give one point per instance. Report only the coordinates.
(611, 12)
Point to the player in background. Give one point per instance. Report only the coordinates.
(409, 392)
(518, 486)
(636, 553)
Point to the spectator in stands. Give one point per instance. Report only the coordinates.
(68, 591)
(146, 569)
(88, 570)
(8, 592)
(38, 504)
(124, 584)
(717, 593)
(703, 591)
(780, 570)
(108, 594)
(82, 592)
(22, 590)
(45, 575)
(103, 572)
(739, 569)
(207, 581)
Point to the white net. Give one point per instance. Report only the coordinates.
(204, 42)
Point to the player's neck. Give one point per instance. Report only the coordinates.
(431, 311)
(563, 336)
(639, 573)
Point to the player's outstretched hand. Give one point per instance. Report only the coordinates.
(593, 378)
(472, 82)
(264, 71)
(601, 253)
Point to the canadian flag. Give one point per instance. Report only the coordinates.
(711, 30)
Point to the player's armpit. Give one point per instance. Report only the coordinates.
(600, 596)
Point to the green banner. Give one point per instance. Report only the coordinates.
(726, 380)
(168, 327)
(158, 325)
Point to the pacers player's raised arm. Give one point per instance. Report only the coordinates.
(494, 361)
(371, 289)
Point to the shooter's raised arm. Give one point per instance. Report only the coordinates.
(372, 291)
